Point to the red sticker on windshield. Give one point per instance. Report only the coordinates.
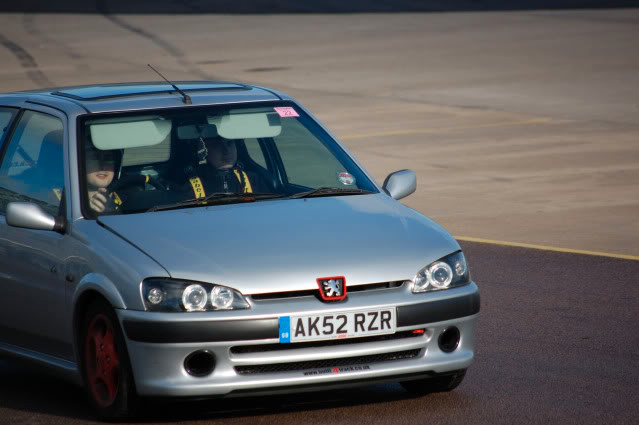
(345, 178)
(286, 111)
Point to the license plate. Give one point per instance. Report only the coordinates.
(349, 324)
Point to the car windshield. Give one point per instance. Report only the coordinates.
(150, 161)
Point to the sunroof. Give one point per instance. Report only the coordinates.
(104, 92)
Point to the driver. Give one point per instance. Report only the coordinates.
(222, 172)
(100, 169)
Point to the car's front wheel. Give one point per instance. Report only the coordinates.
(437, 384)
(105, 363)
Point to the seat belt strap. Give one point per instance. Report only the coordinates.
(247, 184)
(198, 189)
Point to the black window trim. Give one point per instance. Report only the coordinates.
(11, 129)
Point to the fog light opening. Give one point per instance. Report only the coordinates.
(449, 339)
(199, 363)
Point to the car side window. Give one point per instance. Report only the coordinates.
(32, 168)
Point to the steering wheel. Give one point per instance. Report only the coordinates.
(138, 181)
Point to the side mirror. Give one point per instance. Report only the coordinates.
(32, 216)
(400, 184)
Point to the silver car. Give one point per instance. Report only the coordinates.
(214, 239)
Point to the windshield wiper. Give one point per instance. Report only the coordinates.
(328, 191)
(217, 198)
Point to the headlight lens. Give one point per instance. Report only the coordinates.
(441, 275)
(221, 297)
(177, 295)
(194, 298)
(155, 296)
(445, 273)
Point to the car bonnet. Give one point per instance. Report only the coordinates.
(285, 245)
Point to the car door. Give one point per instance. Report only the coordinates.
(32, 286)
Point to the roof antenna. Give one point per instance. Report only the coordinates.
(187, 98)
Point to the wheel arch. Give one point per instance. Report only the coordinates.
(91, 288)
(94, 306)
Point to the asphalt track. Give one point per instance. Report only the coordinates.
(557, 344)
(522, 127)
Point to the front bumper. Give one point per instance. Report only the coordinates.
(249, 358)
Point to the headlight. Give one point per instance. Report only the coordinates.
(446, 273)
(222, 297)
(194, 298)
(177, 295)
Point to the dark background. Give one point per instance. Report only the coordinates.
(297, 6)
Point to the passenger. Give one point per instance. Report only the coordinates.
(101, 168)
(222, 172)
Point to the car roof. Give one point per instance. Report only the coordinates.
(99, 98)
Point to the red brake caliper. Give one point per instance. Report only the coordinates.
(102, 361)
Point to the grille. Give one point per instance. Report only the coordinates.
(329, 363)
(247, 349)
(315, 292)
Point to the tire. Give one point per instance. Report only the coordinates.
(105, 365)
(437, 384)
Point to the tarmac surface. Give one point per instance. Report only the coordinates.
(522, 126)
(557, 343)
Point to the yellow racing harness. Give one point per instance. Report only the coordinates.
(116, 200)
(198, 187)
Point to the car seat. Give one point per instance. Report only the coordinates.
(45, 181)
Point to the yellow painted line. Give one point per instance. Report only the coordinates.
(547, 248)
(444, 129)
